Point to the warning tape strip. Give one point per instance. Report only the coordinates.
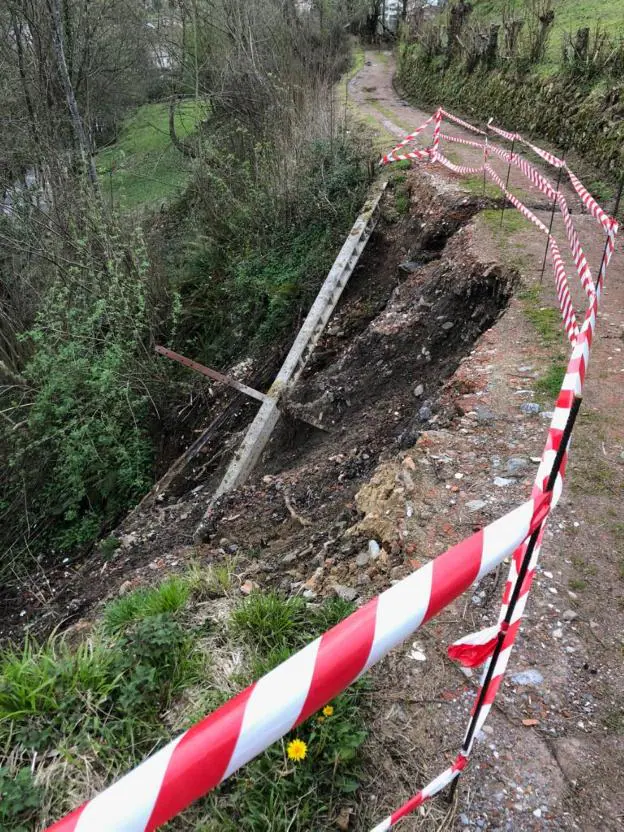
(461, 169)
(462, 123)
(459, 140)
(413, 135)
(215, 748)
(402, 157)
(497, 642)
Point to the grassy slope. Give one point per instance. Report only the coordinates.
(154, 662)
(143, 165)
(570, 15)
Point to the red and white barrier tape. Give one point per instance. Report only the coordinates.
(413, 135)
(215, 748)
(590, 203)
(412, 154)
(534, 176)
(580, 261)
(511, 137)
(462, 123)
(563, 293)
(459, 140)
(463, 170)
(515, 201)
(498, 640)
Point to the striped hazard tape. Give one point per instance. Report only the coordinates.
(493, 645)
(215, 748)
(212, 750)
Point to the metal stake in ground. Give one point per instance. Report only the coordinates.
(522, 572)
(485, 153)
(511, 155)
(616, 209)
(552, 214)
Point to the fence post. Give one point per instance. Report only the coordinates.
(552, 214)
(511, 154)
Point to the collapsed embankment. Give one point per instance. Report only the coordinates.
(415, 305)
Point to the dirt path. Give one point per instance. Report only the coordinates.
(563, 767)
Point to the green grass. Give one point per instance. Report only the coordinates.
(545, 319)
(143, 169)
(83, 714)
(550, 383)
(570, 15)
(270, 622)
(547, 323)
(512, 220)
(168, 597)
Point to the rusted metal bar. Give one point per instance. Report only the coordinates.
(213, 374)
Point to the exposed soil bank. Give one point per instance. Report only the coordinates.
(413, 309)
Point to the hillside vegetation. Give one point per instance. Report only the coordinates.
(186, 186)
(570, 16)
(553, 69)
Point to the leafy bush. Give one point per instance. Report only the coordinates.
(19, 799)
(82, 453)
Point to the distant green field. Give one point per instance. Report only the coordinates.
(570, 15)
(143, 168)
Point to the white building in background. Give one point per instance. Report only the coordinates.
(393, 10)
(393, 14)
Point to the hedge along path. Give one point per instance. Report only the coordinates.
(211, 751)
(493, 645)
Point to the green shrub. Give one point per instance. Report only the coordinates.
(19, 799)
(82, 453)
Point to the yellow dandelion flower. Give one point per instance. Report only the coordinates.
(320, 719)
(328, 710)
(296, 750)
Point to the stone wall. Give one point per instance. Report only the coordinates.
(571, 114)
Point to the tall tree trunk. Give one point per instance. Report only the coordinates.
(17, 34)
(70, 97)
